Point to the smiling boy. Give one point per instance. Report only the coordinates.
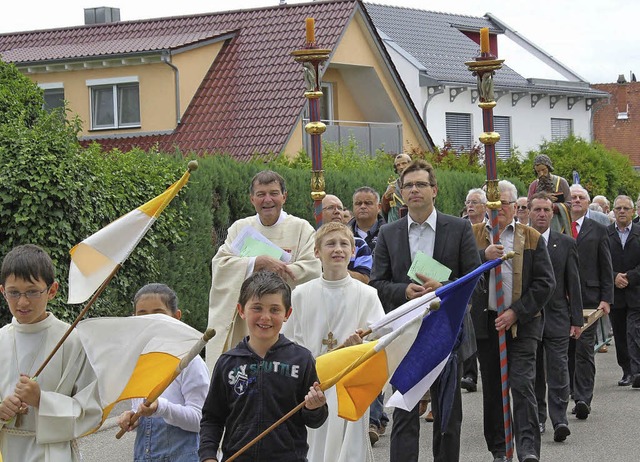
(259, 381)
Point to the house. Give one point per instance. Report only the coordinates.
(616, 123)
(430, 49)
(221, 82)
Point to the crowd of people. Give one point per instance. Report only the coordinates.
(314, 291)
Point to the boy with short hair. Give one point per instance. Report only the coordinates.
(40, 419)
(260, 380)
(330, 311)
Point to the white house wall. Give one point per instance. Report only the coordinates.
(530, 126)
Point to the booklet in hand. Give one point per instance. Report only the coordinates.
(427, 266)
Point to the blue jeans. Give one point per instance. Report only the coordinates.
(377, 415)
(157, 441)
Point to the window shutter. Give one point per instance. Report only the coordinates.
(561, 129)
(458, 129)
(502, 125)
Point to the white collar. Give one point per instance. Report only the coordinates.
(431, 220)
(281, 218)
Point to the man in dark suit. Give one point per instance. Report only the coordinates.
(562, 320)
(624, 241)
(528, 282)
(448, 240)
(596, 285)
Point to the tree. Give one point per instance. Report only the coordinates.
(55, 193)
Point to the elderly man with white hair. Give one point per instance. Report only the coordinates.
(528, 282)
(476, 205)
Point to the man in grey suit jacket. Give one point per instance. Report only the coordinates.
(562, 320)
(448, 240)
(624, 241)
(596, 283)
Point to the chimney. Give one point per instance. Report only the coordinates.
(621, 98)
(101, 15)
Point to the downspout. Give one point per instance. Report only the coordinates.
(166, 58)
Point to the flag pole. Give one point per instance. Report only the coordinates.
(484, 67)
(324, 386)
(433, 306)
(77, 320)
(193, 165)
(18, 422)
(184, 362)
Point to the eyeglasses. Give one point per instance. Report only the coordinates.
(29, 294)
(505, 203)
(417, 184)
(620, 208)
(473, 203)
(520, 207)
(333, 208)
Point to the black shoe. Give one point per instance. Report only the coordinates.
(499, 459)
(636, 381)
(530, 458)
(542, 427)
(582, 410)
(467, 383)
(625, 381)
(561, 432)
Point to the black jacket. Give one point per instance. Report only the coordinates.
(249, 393)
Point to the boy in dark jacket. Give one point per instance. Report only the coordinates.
(259, 381)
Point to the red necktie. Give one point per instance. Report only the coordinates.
(574, 229)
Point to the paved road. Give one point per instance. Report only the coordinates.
(611, 433)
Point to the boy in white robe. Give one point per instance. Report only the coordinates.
(40, 419)
(327, 312)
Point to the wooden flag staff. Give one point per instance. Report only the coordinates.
(184, 362)
(193, 165)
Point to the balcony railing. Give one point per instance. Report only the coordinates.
(370, 136)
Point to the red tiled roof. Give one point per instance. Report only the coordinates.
(104, 39)
(252, 95)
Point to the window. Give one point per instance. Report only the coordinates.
(502, 125)
(53, 95)
(326, 102)
(115, 103)
(458, 128)
(561, 129)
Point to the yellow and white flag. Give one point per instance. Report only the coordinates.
(131, 356)
(95, 258)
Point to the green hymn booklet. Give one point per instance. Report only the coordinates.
(427, 266)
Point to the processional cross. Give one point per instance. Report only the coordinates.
(330, 341)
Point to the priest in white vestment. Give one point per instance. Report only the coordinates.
(292, 234)
(327, 312)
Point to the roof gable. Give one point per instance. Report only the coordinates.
(255, 85)
(437, 41)
(440, 44)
